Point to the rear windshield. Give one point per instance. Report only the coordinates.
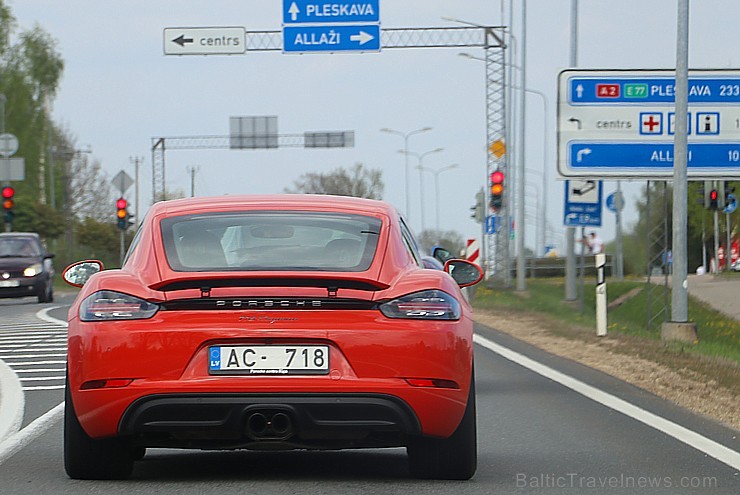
(282, 241)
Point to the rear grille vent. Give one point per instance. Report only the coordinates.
(268, 303)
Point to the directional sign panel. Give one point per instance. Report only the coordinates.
(204, 41)
(582, 203)
(307, 39)
(12, 169)
(330, 11)
(621, 124)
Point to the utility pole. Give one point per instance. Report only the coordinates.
(192, 171)
(521, 261)
(136, 160)
(679, 327)
(571, 292)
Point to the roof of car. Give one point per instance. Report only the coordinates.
(278, 201)
(19, 234)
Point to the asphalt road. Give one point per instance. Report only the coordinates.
(535, 436)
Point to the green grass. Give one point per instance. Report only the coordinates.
(719, 335)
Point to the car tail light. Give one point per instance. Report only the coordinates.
(109, 305)
(425, 305)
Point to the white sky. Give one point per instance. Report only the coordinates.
(119, 91)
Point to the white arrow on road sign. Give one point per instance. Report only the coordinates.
(363, 37)
(294, 11)
(581, 153)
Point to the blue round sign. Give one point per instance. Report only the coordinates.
(615, 202)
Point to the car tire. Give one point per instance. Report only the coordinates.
(47, 293)
(89, 459)
(453, 458)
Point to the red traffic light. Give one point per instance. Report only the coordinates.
(497, 177)
(713, 195)
(8, 192)
(121, 204)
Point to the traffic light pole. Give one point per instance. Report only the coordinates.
(123, 245)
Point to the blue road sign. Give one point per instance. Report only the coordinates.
(491, 224)
(637, 157)
(303, 39)
(615, 202)
(583, 200)
(621, 123)
(650, 90)
(330, 11)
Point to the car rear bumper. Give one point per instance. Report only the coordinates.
(273, 421)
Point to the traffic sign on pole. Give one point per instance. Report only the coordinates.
(331, 38)
(622, 124)
(330, 11)
(321, 26)
(205, 41)
(582, 203)
(8, 145)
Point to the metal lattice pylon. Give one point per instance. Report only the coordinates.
(658, 296)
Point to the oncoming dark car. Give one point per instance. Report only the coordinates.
(25, 267)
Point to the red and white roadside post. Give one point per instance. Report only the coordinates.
(472, 251)
(600, 295)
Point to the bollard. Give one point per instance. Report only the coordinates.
(600, 295)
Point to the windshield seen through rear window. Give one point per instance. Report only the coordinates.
(283, 241)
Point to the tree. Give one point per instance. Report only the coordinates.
(358, 182)
(30, 71)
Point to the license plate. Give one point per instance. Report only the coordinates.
(269, 360)
(9, 283)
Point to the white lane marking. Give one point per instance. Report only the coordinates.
(28, 434)
(690, 438)
(12, 404)
(42, 315)
(40, 370)
(49, 387)
(33, 363)
(26, 356)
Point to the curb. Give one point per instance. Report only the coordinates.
(12, 402)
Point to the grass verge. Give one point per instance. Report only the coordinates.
(716, 354)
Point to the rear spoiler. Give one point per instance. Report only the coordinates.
(332, 284)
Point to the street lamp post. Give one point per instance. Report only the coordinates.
(406, 136)
(420, 157)
(436, 186)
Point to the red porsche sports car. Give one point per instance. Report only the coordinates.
(271, 322)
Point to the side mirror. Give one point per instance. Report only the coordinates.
(464, 272)
(77, 274)
(441, 254)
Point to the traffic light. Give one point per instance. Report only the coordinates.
(478, 213)
(713, 199)
(8, 204)
(122, 213)
(497, 190)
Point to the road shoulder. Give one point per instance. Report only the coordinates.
(684, 387)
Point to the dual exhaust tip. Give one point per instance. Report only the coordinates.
(269, 425)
